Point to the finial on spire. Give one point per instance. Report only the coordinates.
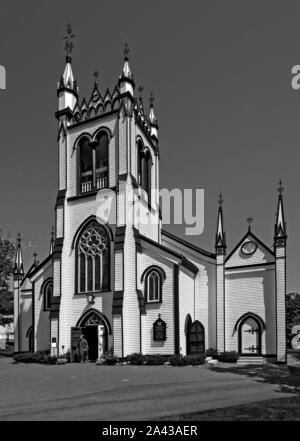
(35, 258)
(280, 188)
(140, 89)
(69, 43)
(126, 51)
(220, 200)
(249, 220)
(151, 99)
(96, 76)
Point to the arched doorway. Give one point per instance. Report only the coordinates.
(95, 327)
(250, 331)
(29, 335)
(195, 341)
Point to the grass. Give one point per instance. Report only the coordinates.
(280, 409)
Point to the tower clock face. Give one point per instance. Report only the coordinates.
(249, 247)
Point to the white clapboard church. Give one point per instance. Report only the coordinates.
(129, 285)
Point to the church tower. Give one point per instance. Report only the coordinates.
(280, 238)
(107, 196)
(220, 246)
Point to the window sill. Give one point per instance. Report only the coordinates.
(83, 195)
(92, 293)
(154, 302)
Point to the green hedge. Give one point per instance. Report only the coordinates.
(228, 357)
(32, 357)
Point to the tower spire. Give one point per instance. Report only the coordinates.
(126, 82)
(19, 268)
(67, 87)
(280, 225)
(220, 235)
(152, 117)
(51, 241)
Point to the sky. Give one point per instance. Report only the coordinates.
(221, 74)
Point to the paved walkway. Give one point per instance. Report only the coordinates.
(90, 392)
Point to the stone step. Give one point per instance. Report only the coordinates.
(243, 360)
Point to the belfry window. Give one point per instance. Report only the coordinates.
(93, 259)
(93, 163)
(144, 164)
(153, 284)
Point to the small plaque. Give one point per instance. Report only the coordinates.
(159, 330)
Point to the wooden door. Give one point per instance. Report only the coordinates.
(195, 339)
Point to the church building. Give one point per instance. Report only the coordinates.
(128, 285)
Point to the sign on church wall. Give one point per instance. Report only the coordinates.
(159, 330)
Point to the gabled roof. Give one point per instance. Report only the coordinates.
(182, 259)
(249, 233)
(188, 244)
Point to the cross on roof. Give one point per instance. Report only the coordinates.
(151, 99)
(69, 44)
(250, 220)
(96, 76)
(220, 200)
(126, 51)
(280, 188)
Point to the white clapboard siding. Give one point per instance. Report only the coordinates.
(117, 335)
(41, 317)
(280, 302)
(166, 308)
(251, 291)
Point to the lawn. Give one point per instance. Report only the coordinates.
(282, 409)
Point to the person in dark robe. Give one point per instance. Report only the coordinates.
(83, 348)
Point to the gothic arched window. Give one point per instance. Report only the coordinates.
(93, 259)
(86, 166)
(47, 294)
(153, 286)
(101, 160)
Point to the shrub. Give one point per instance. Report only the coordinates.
(67, 355)
(156, 359)
(110, 360)
(212, 353)
(52, 359)
(178, 360)
(32, 357)
(228, 357)
(136, 359)
(195, 360)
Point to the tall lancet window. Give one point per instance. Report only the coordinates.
(93, 259)
(102, 160)
(86, 166)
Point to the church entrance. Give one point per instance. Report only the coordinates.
(94, 328)
(195, 338)
(249, 337)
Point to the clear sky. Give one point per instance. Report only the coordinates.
(221, 72)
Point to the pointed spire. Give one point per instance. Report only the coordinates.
(67, 89)
(220, 236)
(126, 82)
(52, 241)
(19, 268)
(280, 226)
(152, 117)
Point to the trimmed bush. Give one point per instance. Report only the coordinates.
(228, 357)
(156, 359)
(30, 357)
(178, 360)
(212, 353)
(195, 360)
(110, 360)
(136, 359)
